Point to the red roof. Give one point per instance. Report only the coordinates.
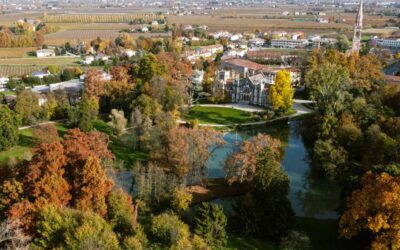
(256, 66)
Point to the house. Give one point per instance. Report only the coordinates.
(197, 79)
(251, 90)
(323, 20)
(45, 53)
(144, 29)
(206, 52)
(289, 43)
(246, 68)
(154, 23)
(129, 52)
(42, 99)
(102, 57)
(40, 74)
(3, 83)
(256, 42)
(87, 60)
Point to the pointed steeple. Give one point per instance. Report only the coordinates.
(357, 29)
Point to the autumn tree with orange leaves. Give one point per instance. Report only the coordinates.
(241, 166)
(374, 208)
(185, 151)
(94, 83)
(67, 173)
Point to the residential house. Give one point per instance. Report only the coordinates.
(256, 42)
(40, 74)
(129, 53)
(3, 83)
(45, 53)
(102, 57)
(87, 60)
(206, 52)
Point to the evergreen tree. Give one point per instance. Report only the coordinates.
(210, 222)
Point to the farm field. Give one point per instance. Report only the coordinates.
(40, 61)
(15, 52)
(22, 70)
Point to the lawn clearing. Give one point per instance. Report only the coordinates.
(121, 152)
(219, 115)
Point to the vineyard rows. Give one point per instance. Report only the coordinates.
(139, 18)
(23, 70)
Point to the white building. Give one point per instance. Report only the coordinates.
(386, 43)
(102, 57)
(45, 53)
(87, 60)
(3, 83)
(129, 52)
(41, 74)
(256, 42)
(289, 43)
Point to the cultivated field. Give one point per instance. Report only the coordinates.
(15, 52)
(40, 61)
(62, 37)
(22, 70)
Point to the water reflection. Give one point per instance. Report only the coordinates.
(310, 197)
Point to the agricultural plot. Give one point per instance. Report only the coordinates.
(62, 37)
(103, 18)
(22, 70)
(40, 61)
(15, 52)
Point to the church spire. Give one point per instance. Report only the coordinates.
(357, 29)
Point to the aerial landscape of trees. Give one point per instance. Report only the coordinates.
(130, 120)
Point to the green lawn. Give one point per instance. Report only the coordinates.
(121, 152)
(217, 115)
(25, 144)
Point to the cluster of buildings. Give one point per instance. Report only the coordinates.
(247, 82)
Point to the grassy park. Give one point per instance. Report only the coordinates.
(219, 115)
(26, 142)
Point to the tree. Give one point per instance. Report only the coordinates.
(94, 186)
(281, 93)
(12, 237)
(266, 210)
(181, 200)
(87, 112)
(242, 165)
(343, 43)
(170, 231)
(9, 124)
(45, 133)
(375, 209)
(65, 228)
(27, 106)
(122, 213)
(209, 223)
(328, 85)
(94, 83)
(118, 121)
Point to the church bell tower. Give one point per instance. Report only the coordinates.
(357, 30)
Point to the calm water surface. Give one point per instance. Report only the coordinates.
(310, 197)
